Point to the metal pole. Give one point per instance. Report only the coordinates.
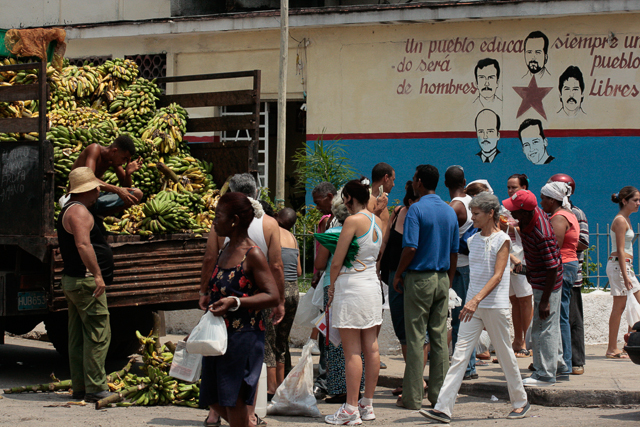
(282, 102)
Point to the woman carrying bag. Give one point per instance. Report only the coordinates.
(240, 287)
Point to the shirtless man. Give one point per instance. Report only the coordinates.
(98, 158)
(381, 175)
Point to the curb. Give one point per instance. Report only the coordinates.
(549, 396)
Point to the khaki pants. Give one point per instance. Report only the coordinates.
(89, 334)
(426, 303)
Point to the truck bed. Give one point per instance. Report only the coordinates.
(164, 269)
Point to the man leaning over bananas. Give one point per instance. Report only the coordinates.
(99, 159)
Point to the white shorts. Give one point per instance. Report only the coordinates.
(616, 282)
(519, 286)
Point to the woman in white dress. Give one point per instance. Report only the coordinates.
(487, 306)
(355, 301)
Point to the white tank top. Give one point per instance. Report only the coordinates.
(463, 260)
(256, 233)
(628, 240)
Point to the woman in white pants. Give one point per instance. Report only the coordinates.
(487, 306)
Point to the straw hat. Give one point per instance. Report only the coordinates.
(82, 180)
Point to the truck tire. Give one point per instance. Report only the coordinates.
(124, 323)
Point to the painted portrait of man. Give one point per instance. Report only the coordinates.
(534, 143)
(536, 54)
(571, 87)
(487, 73)
(488, 132)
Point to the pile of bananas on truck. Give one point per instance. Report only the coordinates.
(137, 384)
(95, 104)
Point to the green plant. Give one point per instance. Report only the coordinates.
(322, 161)
(589, 267)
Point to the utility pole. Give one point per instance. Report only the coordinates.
(282, 102)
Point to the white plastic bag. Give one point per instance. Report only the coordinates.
(185, 366)
(209, 337)
(306, 312)
(633, 310)
(318, 294)
(295, 394)
(323, 323)
(454, 299)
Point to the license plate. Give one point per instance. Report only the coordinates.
(32, 301)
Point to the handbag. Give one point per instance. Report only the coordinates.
(209, 337)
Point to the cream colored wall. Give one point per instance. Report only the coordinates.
(353, 73)
(34, 13)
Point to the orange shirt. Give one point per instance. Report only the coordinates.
(570, 243)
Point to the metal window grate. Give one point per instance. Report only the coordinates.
(151, 66)
(95, 60)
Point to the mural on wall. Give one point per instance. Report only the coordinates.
(488, 131)
(487, 74)
(571, 87)
(534, 144)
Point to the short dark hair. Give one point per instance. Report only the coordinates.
(523, 180)
(530, 122)
(380, 170)
(538, 35)
(454, 177)
(497, 119)
(485, 63)
(125, 143)
(267, 208)
(428, 175)
(324, 188)
(287, 218)
(356, 190)
(409, 194)
(571, 71)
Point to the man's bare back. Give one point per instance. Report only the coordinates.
(92, 157)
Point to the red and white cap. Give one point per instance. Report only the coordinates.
(523, 199)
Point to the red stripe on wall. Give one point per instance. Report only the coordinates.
(552, 133)
(214, 138)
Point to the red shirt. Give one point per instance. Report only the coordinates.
(541, 250)
(570, 242)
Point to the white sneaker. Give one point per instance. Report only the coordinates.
(315, 350)
(366, 412)
(343, 418)
(532, 382)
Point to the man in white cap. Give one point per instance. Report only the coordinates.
(88, 269)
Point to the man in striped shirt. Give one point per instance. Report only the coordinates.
(544, 272)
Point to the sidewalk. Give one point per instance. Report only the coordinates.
(604, 382)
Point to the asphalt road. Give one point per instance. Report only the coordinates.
(26, 362)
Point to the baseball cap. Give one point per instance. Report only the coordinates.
(82, 179)
(523, 199)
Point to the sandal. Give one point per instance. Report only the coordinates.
(495, 360)
(522, 353)
(481, 363)
(621, 355)
(216, 424)
(397, 391)
(260, 421)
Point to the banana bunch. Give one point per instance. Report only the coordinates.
(192, 202)
(63, 162)
(166, 129)
(188, 395)
(147, 179)
(72, 85)
(84, 117)
(134, 107)
(164, 215)
(205, 220)
(17, 77)
(128, 223)
(191, 173)
(123, 69)
(210, 200)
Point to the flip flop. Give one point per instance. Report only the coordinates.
(481, 363)
(621, 355)
(216, 424)
(397, 391)
(522, 353)
(495, 360)
(260, 421)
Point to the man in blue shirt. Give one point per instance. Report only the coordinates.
(429, 257)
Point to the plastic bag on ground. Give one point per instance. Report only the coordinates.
(633, 309)
(209, 337)
(295, 396)
(185, 366)
(306, 312)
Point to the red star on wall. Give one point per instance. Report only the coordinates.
(532, 96)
